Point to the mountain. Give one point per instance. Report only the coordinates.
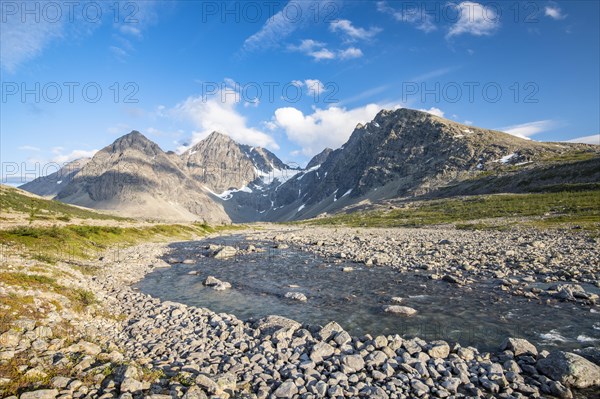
(135, 177)
(221, 164)
(408, 153)
(318, 159)
(400, 155)
(50, 185)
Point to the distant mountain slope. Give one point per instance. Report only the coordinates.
(221, 164)
(52, 184)
(406, 153)
(134, 176)
(400, 154)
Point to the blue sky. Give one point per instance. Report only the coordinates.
(294, 77)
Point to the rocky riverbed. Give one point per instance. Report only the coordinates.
(162, 349)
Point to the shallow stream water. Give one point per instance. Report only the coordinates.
(475, 314)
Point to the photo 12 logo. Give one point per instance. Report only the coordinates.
(71, 92)
(69, 11)
(295, 12)
(453, 92)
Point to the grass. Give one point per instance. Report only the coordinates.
(79, 298)
(50, 244)
(11, 200)
(572, 156)
(544, 210)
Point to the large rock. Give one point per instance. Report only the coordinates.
(519, 346)
(212, 281)
(40, 394)
(10, 338)
(590, 353)
(320, 351)
(296, 296)
(270, 324)
(286, 390)
(439, 349)
(195, 392)
(225, 253)
(400, 310)
(353, 363)
(570, 369)
(329, 331)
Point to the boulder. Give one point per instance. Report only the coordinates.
(225, 252)
(286, 390)
(296, 296)
(570, 369)
(40, 394)
(519, 346)
(400, 310)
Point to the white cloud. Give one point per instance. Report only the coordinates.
(29, 148)
(554, 12)
(130, 30)
(322, 54)
(524, 130)
(75, 154)
(314, 87)
(467, 122)
(434, 111)
(411, 13)
(23, 41)
(329, 127)
(351, 52)
(219, 113)
(351, 32)
(474, 19)
(593, 139)
(294, 15)
(319, 51)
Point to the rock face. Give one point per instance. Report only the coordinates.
(134, 176)
(404, 152)
(52, 184)
(222, 164)
(319, 159)
(570, 369)
(399, 153)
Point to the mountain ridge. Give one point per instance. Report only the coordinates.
(400, 153)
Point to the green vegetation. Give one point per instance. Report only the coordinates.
(572, 156)
(11, 200)
(50, 244)
(79, 298)
(548, 210)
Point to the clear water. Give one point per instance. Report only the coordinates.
(474, 315)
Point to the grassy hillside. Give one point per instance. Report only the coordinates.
(13, 200)
(567, 207)
(51, 244)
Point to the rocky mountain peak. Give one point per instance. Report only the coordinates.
(134, 141)
(319, 158)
